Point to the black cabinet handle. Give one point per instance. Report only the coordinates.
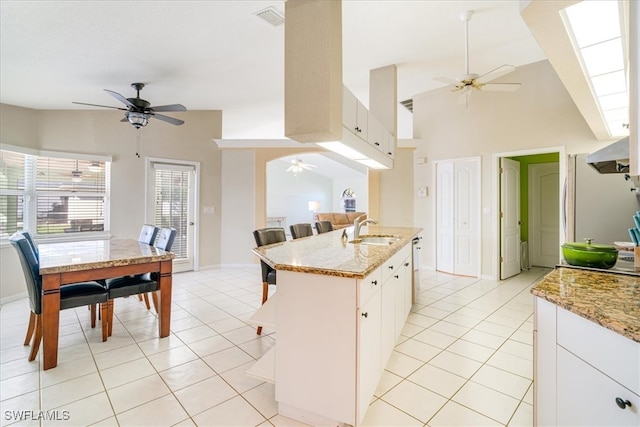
(391, 267)
(376, 143)
(622, 403)
(374, 283)
(396, 276)
(406, 264)
(365, 314)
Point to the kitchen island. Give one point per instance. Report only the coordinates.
(338, 310)
(587, 348)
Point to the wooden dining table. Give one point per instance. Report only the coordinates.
(70, 262)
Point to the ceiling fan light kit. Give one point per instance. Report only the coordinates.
(138, 110)
(469, 82)
(298, 166)
(138, 120)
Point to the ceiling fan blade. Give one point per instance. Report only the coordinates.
(494, 74)
(172, 107)
(120, 98)
(500, 87)
(167, 119)
(98, 105)
(447, 80)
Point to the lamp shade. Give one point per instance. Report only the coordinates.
(314, 205)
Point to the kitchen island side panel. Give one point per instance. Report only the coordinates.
(316, 344)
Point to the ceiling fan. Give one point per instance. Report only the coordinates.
(138, 110)
(469, 82)
(298, 165)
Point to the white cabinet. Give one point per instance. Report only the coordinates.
(379, 137)
(584, 374)
(389, 144)
(354, 114)
(370, 322)
(588, 397)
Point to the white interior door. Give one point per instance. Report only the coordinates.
(509, 218)
(444, 216)
(466, 218)
(171, 203)
(458, 217)
(544, 225)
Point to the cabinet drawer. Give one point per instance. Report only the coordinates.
(390, 266)
(588, 397)
(611, 353)
(369, 286)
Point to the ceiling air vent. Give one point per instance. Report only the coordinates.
(271, 15)
(408, 104)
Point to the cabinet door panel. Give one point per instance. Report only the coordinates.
(597, 350)
(588, 397)
(369, 369)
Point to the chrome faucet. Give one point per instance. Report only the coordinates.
(357, 225)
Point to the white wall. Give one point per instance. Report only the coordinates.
(237, 207)
(541, 114)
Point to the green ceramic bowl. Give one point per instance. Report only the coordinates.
(590, 254)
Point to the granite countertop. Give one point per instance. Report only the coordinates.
(328, 254)
(93, 254)
(611, 300)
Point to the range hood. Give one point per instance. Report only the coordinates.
(613, 158)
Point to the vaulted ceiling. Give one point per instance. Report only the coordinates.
(219, 55)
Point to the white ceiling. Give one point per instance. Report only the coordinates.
(217, 55)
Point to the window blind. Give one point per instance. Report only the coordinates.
(172, 202)
(51, 195)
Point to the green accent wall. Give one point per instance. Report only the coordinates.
(525, 161)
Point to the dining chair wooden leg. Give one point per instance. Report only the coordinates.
(36, 339)
(146, 300)
(109, 317)
(104, 308)
(30, 328)
(93, 315)
(265, 295)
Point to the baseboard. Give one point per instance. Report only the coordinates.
(12, 298)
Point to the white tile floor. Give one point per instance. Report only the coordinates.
(464, 358)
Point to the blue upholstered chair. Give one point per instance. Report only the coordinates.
(71, 296)
(268, 236)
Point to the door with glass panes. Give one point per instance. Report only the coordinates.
(171, 203)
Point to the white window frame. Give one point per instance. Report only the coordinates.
(30, 194)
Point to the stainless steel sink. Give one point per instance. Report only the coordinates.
(375, 240)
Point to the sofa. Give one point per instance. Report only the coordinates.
(339, 219)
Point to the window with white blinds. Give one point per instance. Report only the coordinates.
(172, 202)
(50, 195)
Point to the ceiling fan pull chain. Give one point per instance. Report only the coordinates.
(138, 142)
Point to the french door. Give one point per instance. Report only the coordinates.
(171, 202)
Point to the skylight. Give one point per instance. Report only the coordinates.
(598, 40)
